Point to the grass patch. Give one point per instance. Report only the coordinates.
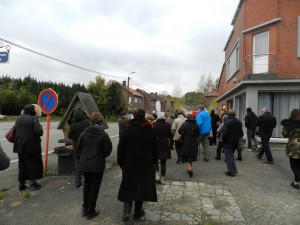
(26, 195)
(2, 195)
(41, 119)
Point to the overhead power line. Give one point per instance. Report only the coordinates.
(60, 61)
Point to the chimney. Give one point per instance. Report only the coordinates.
(124, 83)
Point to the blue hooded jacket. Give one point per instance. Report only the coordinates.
(204, 122)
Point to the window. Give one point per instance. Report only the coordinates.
(298, 40)
(232, 63)
(137, 100)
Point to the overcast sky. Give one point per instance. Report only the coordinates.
(165, 42)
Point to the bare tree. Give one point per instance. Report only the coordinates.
(177, 91)
(206, 83)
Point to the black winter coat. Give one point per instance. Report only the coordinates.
(137, 154)
(78, 122)
(28, 133)
(190, 132)
(251, 120)
(94, 145)
(162, 130)
(214, 121)
(266, 123)
(232, 132)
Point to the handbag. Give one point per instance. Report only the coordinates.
(10, 135)
(180, 139)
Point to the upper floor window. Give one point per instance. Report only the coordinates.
(138, 100)
(232, 63)
(298, 40)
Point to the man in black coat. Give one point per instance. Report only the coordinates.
(250, 124)
(94, 145)
(137, 154)
(78, 122)
(266, 123)
(232, 132)
(215, 119)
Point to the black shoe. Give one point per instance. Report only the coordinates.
(139, 214)
(229, 174)
(217, 158)
(295, 185)
(90, 216)
(35, 185)
(22, 187)
(239, 158)
(258, 156)
(206, 160)
(178, 161)
(190, 173)
(126, 217)
(84, 212)
(78, 185)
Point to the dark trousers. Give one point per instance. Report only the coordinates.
(178, 149)
(295, 166)
(265, 149)
(92, 182)
(137, 206)
(77, 172)
(230, 161)
(163, 167)
(213, 139)
(219, 149)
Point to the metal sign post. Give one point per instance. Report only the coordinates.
(48, 101)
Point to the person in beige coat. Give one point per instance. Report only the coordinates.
(175, 127)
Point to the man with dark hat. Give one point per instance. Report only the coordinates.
(123, 122)
(250, 124)
(232, 132)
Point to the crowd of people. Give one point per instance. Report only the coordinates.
(145, 144)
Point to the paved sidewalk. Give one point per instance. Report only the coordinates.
(259, 194)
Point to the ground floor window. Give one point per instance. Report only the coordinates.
(280, 105)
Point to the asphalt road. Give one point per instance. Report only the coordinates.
(54, 136)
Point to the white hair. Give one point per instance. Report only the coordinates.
(160, 115)
(265, 109)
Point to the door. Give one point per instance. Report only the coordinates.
(261, 53)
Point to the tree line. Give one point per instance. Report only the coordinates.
(15, 93)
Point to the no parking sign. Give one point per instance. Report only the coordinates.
(48, 101)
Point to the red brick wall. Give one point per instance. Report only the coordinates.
(282, 38)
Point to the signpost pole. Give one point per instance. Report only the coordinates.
(48, 101)
(47, 143)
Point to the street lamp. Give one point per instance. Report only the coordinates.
(128, 90)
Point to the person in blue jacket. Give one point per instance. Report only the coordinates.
(203, 120)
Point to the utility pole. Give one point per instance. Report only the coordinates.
(128, 90)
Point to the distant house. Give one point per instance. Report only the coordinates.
(149, 101)
(210, 97)
(262, 59)
(169, 103)
(133, 98)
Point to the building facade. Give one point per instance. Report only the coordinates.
(262, 59)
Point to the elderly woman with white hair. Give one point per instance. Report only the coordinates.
(163, 133)
(28, 146)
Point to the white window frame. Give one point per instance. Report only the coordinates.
(298, 38)
(233, 61)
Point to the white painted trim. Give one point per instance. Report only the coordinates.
(262, 25)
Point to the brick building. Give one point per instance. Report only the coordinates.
(262, 59)
(132, 98)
